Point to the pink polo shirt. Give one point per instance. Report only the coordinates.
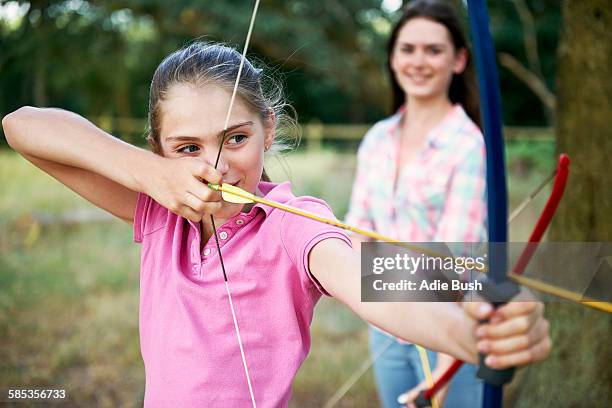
(187, 336)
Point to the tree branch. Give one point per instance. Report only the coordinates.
(529, 36)
(535, 83)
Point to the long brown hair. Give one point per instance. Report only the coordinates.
(208, 62)
(463, 89)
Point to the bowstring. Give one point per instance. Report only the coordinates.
(212, 220)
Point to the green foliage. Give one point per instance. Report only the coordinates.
(97, 58)
(528, 156)
(520, 105)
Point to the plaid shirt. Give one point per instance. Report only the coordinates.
(438, 197)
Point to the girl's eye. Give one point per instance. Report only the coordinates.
(236, 139)
(434, 51)
(188, 149)
(407, 49)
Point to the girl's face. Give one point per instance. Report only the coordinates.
(424, 59)
(192, 120)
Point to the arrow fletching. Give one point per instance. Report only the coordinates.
(233, 194)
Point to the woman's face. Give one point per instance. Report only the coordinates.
(424, 59)
(192, 121)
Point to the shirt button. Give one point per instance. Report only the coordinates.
(206, 251)
(223, 235)
(239, 222)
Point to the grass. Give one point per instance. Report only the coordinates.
(69, 294)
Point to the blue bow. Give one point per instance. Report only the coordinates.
(497, 194)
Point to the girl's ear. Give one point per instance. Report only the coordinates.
(461, 59)
(269, 130)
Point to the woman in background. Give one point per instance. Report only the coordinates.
(421, 175)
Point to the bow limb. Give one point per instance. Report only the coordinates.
(497, 193)
(556, 194)
(547, 214)
(560, 176)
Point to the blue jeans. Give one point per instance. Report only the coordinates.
(398, 369)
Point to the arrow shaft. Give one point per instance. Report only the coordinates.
(561, 293)
(553, 201)
(297, 211)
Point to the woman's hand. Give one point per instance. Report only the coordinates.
(180, 185)
(443, 362)
(516, 333)
(407, 398)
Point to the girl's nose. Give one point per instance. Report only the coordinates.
(210, 157)
(223, 165)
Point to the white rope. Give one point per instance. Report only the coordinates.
(227, 118)
(341, 392)
(246, 368)
(242, 59)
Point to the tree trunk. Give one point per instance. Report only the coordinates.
(579, 371)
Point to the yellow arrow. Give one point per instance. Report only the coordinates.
(237, 195)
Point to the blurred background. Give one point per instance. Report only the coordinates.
(69, 273)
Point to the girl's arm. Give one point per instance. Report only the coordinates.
(357, 240)
(79, 155)
(105, 170)
(516, 335)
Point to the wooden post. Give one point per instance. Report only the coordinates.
(314, 135)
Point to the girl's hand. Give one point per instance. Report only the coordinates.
(516, 334)
(179, 184)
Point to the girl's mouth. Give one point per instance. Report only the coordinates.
(419, 79)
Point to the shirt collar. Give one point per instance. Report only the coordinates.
(280, 193)
(444, 132)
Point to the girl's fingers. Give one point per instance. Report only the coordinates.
(190, 214)
(515, 343)
(517, 318)
(195, 205)
(203, 192)
(506, 328)
(478, 310)
(514, 309)
(533, 354)
(205, 171)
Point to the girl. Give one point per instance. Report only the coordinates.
(431, 187)
(278, 265)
